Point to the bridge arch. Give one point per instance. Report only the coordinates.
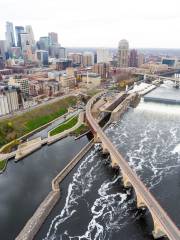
(158, 231)
(139, 200)
(126, 181)
(114, 163)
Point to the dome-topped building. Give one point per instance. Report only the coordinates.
(123, 53)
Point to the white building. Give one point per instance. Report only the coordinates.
(25, 41)
(32, 42)
(29, 30)
(103, 55)
(8, 101)
(4, 109)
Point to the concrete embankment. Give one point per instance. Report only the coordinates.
(58, 179)
(27, 148)
(34, 224)
(36, 221)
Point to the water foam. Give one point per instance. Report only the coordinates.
(109, 212)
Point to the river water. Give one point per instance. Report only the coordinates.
(94, 205)
(25, 184)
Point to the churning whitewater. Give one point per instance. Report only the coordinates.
(149, 139)
(109, 212)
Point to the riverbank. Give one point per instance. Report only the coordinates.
(3, 164)
(19, 126)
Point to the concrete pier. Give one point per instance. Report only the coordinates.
(27, 148)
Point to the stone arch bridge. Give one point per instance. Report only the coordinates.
(163, 225)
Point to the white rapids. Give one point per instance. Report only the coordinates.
(149, 141)
(109, 212)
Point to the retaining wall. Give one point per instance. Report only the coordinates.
(58, 179)
(132, 99)
(36, 221)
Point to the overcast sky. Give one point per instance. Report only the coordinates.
(98, 23)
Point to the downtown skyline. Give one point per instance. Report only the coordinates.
(144, 24)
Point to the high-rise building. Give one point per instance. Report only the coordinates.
(10, 35)
(26, 47)
(62, 52)
(43, 43)
(123, 53)
(103, 55)
(133, 58)
(25, 41)
(88, 59)
(42, 57)
(19, 30)
(141, 59)
(54, 51)
(29, 30)
(53, 38)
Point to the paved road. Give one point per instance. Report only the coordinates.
(154, 207)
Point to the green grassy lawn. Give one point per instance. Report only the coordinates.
(17, 126)
(2, 165)
(42, 120)
(64, 126)
(10, 146)
(82, 129)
